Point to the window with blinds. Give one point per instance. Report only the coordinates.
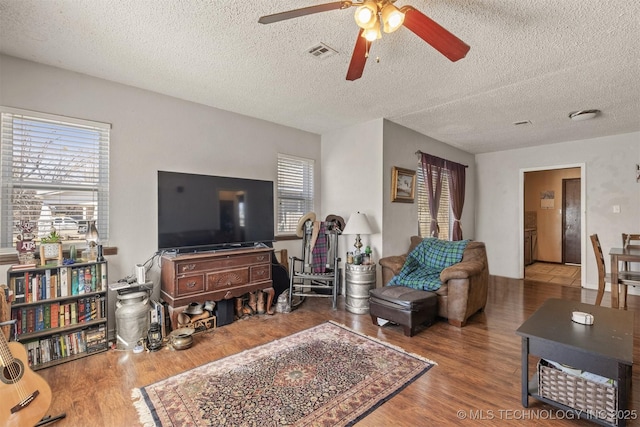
(424, 216)
(54, 172)
(295, 191)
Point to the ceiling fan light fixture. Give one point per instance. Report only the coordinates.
(372, 34)
(392, 18)
(367, 15)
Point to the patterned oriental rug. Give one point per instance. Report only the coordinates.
(328, 375)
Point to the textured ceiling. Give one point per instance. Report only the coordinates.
(530, 60)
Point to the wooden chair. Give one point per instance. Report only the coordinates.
(625, 278)
(602, 276)
(631, 240)
(628, 277)
(316, 274)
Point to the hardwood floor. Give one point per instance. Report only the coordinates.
(478, 366)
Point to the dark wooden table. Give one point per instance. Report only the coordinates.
(618, 255)
(604, 348)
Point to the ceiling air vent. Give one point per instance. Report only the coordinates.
(321, 51)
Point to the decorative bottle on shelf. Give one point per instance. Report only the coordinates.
(367, 255)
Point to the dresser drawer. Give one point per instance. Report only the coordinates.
(188, 267)
(258, 273)
(189, 285)
(227, 279)
(204, 265)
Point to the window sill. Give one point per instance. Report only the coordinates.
(12, 258)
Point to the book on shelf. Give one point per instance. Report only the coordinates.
(103, 276)
(39, 318)
(98, 306)
(74, 281)
(79, 272)
(82, 316)
(54, 285)
(64, 281)
(101, 305)
(19, 289)
(31, 319)
(92, 308)
(87, 280)
(73, 313)
(61, 316)
(96, 339)
(47, 316)
(55, 314)
(67, 314)
(23, 320)
(28, 292)
(47, 284)
(94, 278)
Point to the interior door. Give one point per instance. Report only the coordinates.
(571, 227)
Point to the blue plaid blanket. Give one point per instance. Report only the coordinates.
(424, 264)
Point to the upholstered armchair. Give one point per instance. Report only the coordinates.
(464, 285)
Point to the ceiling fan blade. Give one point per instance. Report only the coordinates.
(431, 32)
(359, 58)
(276, 17)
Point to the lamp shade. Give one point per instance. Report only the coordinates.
(372, 34)
(357, 224)
(367, 15)
(392, 18)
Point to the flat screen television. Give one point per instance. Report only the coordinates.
(200, 212)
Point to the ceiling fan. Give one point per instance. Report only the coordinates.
(370, 15)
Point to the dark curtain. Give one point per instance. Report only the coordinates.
(432, 167)
(456, 176)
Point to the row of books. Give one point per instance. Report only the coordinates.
(54, 315)
(34, 286)
(60, 346)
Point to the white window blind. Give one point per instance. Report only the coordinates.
(424, 216)
(54, 171)
(295, 191)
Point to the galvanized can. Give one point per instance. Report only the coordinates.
(132, 319)
(360, 279)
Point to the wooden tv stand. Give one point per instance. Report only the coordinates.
(214, 276)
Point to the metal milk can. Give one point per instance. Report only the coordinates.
(132, 319)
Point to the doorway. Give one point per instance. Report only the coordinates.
(571, 227)
(553, 207)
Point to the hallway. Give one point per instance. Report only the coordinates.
(561, 274)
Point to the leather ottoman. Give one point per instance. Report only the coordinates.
(405, 306)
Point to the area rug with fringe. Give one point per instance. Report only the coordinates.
(327, 375)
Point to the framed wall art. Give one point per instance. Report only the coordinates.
(403, 185)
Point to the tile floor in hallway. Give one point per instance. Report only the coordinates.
(566, 275)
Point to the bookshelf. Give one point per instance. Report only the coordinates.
(61, 311)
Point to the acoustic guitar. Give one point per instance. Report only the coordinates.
(24, 395)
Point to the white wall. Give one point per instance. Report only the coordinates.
(400, 220)
(609, 163)
(152, 132)
(352, 180)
